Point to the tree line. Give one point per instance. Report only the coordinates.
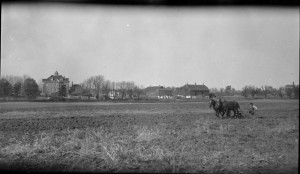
(269, 91)
(17, 86)
(100, 87)
(265, 91)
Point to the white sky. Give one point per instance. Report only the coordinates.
(217, 46)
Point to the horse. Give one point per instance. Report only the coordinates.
(231, 106)
(217, 106)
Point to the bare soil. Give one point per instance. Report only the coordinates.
(152, 137)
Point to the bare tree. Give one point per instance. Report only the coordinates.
(98, 82)
(214, 90)
(24, 77)
(40, 84)
(94, 85)
(122, 87)
(13, 79)
(114, 89)
(130, 87)
(247, 90)
(281, 92)
(138, 91)
(106, 88)
(267, 90)
(221, 92)
(87, 86)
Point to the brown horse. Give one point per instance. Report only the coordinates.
(217, 106)
(231, 106)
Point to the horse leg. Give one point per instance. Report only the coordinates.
(223, 112)
(228, 113)
(235, 116)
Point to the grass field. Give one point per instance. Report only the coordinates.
(157, 137)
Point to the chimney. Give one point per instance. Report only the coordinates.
(293, 84)
(195, 83)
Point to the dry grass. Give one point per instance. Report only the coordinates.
(177, 143)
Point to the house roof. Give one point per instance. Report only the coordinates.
(153, 88)
(165, 89)
(76, 86)
(56, 77)
(163, 92)
(197, 87)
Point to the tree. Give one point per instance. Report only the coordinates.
(122, 88)
(62, 90)
(222, 92)
(98, 82)
(267, 90)
(17, 89)
(114, 89)
(31, 88)
(87, 86)
(41, 85)
(228, 90)
(213, 90)
(296, 91)
(248, 90)
(106, 88)
(24, 77)
(233, 90)
(13, 79)
(5, 88)
(94, 85)
(129, 88)
(281, 92)
(138, 91)
(254, 91)
(289, 92)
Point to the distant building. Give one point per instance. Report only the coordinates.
(165, 93)
(290, 86)
(76, 90)
(292, 90)
(153, 91)
(194, 90)
(52, 84)
(158, 91)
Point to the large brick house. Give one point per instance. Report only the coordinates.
(52, 84)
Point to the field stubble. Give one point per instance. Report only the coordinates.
(172, 137)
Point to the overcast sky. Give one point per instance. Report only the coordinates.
(217, 46)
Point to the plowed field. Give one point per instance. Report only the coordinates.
(160, 137)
